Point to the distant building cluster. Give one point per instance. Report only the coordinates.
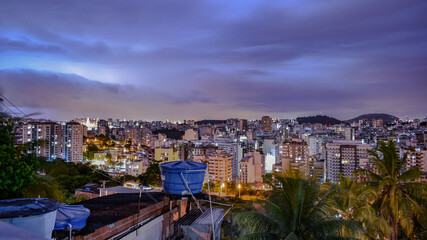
(53, 140)
(237, 150)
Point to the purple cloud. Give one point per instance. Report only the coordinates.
(249, 57)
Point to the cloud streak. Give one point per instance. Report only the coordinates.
(188, 59)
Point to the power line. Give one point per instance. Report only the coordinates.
(12, 112)
(25, 115)
(108, 176)
(119, 181)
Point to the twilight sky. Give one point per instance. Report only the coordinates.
(193, 59)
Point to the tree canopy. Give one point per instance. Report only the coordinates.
(17, 165)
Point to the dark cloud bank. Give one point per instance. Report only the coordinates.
(201, 59)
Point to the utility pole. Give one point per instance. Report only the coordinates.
(103, 183)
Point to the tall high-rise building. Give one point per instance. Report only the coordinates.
(220, 166)
(343, 157)
(294, 155)
(269, 150)
(251, 167)
(103, 128)
(184, 151)
(348, 132)
(73, 142)
(266, 123)
(243, 125)
(316, 146)
(418, 158)
(49, 137)
(131, 135)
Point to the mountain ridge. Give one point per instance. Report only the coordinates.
(323, 119)
(371, 116)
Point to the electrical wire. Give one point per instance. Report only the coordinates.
(119, 181)
(12, 112)
(25, 115)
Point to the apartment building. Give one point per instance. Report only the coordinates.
(417, 157)
(220, 166)
(73, 142)
(49, 137)
(294, 155)
(343, 157)
(251, 167)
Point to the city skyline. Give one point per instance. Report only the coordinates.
(214, 59)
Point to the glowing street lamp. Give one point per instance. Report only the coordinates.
(222, 185)
(239, 186)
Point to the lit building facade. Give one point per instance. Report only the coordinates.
(48, 134)
(343, 157)
(251, 167)
(418, 158)
(294, 155)
(266, 123)
(73, 142)
(220, 166)
(166, 154)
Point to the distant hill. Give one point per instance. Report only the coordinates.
(372, 116)
(319, 119)
(212, 122)
(170, 133)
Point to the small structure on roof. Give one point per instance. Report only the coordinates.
(197, 225)
(182, 177)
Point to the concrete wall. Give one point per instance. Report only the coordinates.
(159, 228)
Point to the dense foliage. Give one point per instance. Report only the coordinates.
(90, 151)
(400, 200)
(389, 206)
(373, 116)
(170, 133)
(151, 177)
(16, 166)
(71, 176)
(295, 210)
(22, 174)
(318, 119)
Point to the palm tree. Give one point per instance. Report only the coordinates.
(294, 210)
(353, 202)
(400, 199)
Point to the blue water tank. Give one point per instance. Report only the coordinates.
(76, 215)
(192, 172)
(36, 215)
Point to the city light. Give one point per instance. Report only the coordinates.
(239, 186)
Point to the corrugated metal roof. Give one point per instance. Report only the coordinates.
(205, 218)
(189, 218)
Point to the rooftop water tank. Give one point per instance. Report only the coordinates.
(36, 215)
(76, 215)
(175, 176)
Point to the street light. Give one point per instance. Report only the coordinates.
(222, 185)
(239, 186)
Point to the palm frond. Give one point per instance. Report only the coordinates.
(255, 222)
(371, 175)
(334, 227)
(260, 236)
(411, 174)
(292, 236)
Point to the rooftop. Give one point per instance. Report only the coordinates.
(112, 208)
